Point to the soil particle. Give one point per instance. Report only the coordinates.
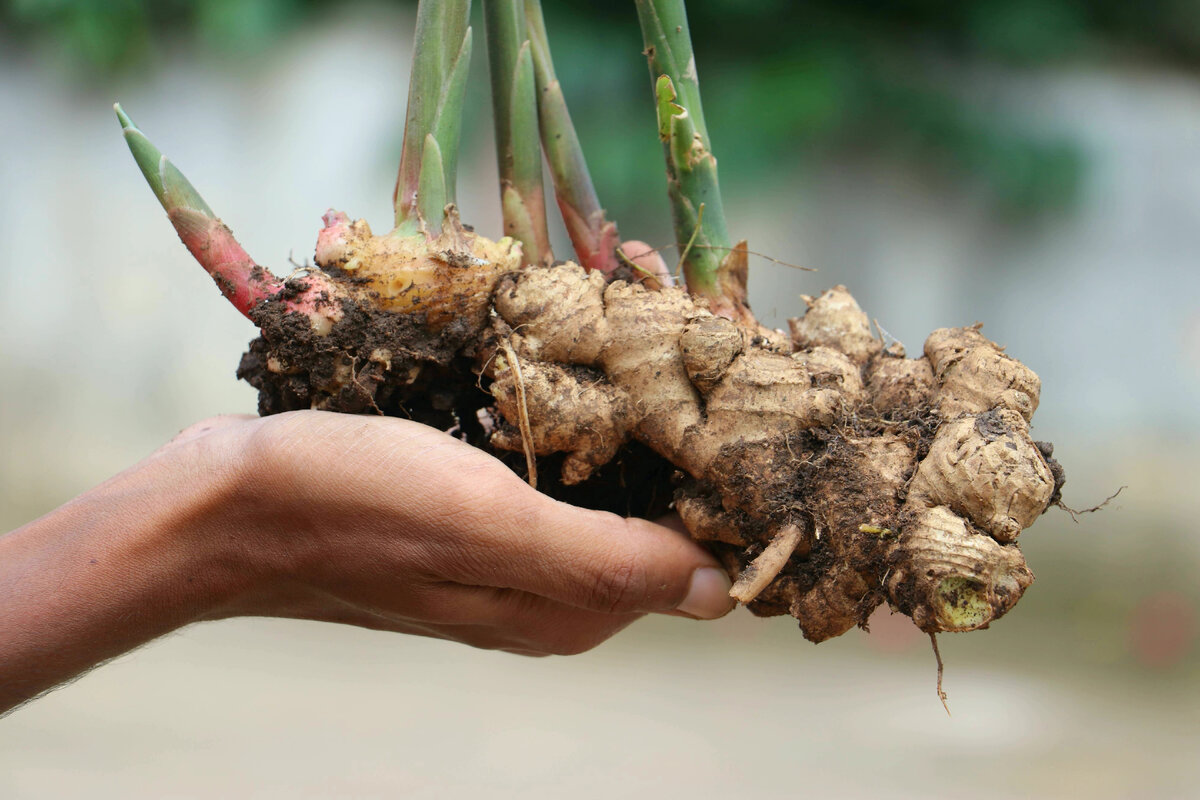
(990, 426)
(1056, 469)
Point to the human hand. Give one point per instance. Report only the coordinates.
(376, 522)
(389, 524)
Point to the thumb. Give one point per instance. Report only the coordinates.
(603, 562)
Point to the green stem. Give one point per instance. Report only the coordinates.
(595, 238)
(515, 111)
(709, 264)
(436, 90)
(669, 49)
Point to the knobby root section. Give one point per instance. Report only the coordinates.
(828, 472)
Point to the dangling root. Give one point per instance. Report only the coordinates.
(937, 655)
(514, 364)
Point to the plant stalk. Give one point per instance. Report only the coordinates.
(515, 112)
(594, 237)
(712, 265)
(436, 91)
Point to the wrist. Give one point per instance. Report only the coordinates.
(122, 564)
(156, 540)
(209, 537)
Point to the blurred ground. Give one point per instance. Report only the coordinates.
(111, 340)
(747, 709)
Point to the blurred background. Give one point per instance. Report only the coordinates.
(1032, 164)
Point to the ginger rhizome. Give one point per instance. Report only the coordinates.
(831, 476)
(829, 473)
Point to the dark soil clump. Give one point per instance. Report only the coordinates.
(390, 364)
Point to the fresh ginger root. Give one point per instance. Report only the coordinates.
(828, 473)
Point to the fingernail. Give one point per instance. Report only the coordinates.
(708, 594)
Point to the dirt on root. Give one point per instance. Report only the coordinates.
(825, 480)
(637, 482)
(391, 364)
(371, 361)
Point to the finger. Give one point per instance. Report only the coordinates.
(512, 620)
(673, 522)
(596, 560)
(522, 621)
(487, 618)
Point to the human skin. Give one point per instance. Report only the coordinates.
(375, 522)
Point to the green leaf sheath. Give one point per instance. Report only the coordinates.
(691, 166)
(169, 185)
(239, 278)
(431, 189)
(436, 90)
(514, 105)
(669, 49)
(595, 238)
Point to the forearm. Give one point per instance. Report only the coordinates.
(115, 568)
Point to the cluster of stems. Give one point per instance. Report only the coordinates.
(528, 105)
(436, 89)
(514, 104)
(593, 236)
(709, 261)
(529, 109)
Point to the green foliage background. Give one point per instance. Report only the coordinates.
(790, 80)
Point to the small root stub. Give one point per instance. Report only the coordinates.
(514, 363)
(767, 565)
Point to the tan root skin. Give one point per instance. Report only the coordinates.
(721, 405)
(447, 277)
(800, 452)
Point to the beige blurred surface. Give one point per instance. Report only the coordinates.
(274, 709)
(111, 340)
